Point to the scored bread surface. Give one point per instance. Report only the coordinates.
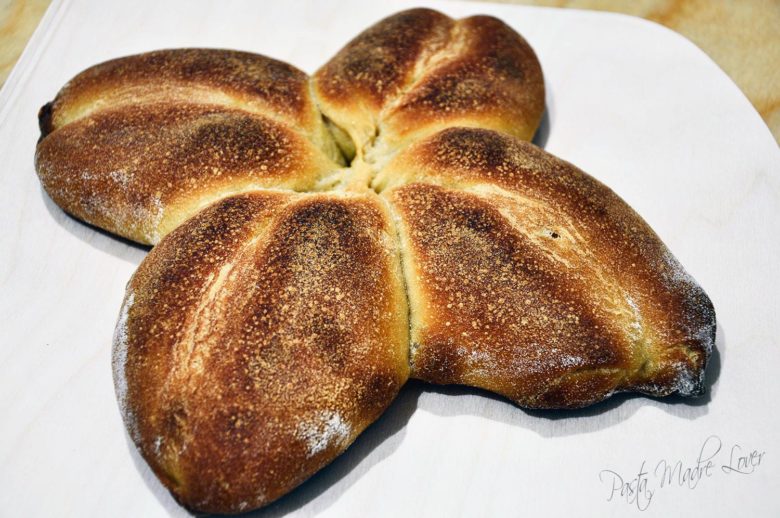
(420, 71)
(259, 339)
(139, 144)
(530, 278)
(323, 239)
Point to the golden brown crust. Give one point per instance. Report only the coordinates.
(491, 309)
(417, 72)
(487, 77)
(379, 63)
(141, 170)
(530, 278)
(376, 67)
(258, 340)
(409, 75)
(137, 144)
(261, 336)
(209, 76)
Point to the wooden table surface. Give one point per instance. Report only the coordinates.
(741, 36)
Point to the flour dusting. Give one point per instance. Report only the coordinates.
(677, 274)
(119, 363)
(120, 177)
(703, 330)
(477, 363)
(706, 336)
(157, 444)
(568, 361)
(325, 428)
(636, 324)
(685, 383)
(157, 212)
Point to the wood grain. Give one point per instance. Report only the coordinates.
(18, 20)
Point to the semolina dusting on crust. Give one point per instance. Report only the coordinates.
(269, 331)
(119, 362)
(321, 240)
(512, 254)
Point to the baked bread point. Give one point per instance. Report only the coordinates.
(419, 71)
(529, 278)
(258, 340)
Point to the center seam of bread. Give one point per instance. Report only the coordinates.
(372, 155)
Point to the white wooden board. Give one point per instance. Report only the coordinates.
(634, 104)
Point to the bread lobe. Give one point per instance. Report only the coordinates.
(380, 62)
(418, 72)
(264, 335)
(582, 298)
(138, 144)
(487, 77)
(141, 170)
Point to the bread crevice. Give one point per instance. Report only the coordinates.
(403, 261)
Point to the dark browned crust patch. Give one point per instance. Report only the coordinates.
(44, 120)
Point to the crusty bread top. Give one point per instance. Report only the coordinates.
(379, 64)
(258, 340)
(522, 267)
(486, 76)
(141, 170)
(418, 71)
(230, 78)
(136, 145)
(492, 309)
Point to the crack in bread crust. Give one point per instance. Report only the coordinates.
(323, 239)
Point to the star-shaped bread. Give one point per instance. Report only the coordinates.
(320, 240)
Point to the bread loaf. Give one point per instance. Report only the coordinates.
(322, 240)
